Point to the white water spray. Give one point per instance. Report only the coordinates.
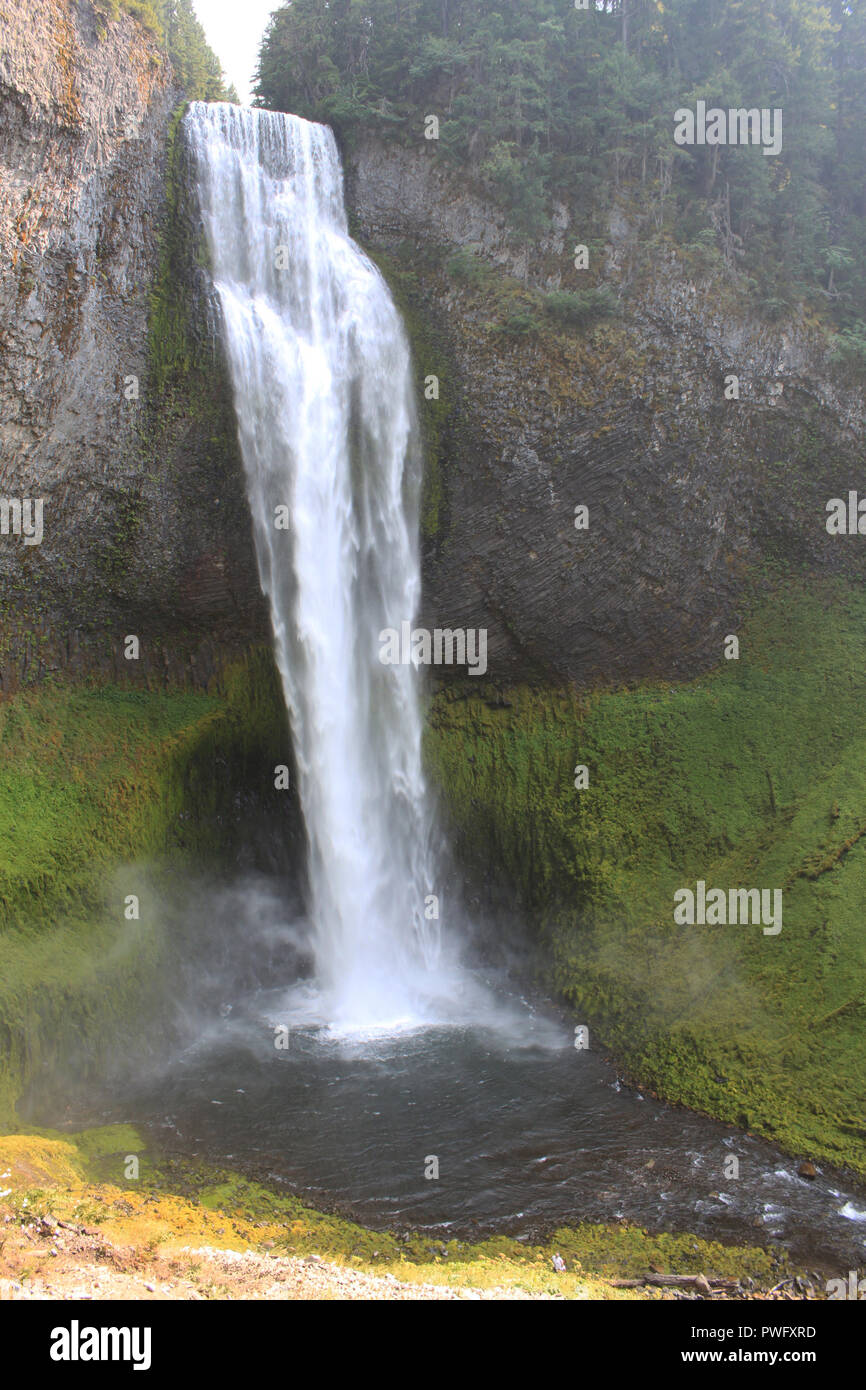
(321, 373)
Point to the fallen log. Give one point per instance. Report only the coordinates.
(675, 1281)
(79, 1230)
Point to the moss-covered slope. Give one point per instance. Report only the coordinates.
(752, 776)
(105, 794)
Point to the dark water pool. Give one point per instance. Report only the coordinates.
(527, 1134)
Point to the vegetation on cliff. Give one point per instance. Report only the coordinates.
(542, 101)
(174, 23)
(751, 776)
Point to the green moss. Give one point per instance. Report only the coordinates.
(187, 430)
(106, 793)
(107, 1140)
(116, 557)
(83, 782)
(467, 267)
(616, 1250)
(753, 776)
(170, 339)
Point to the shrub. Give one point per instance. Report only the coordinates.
(849, 346)
(467, 268)
(520, 324)
(577, 309)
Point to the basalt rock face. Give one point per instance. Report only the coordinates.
(691, 496)
(145, 524)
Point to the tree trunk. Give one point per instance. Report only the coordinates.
(714, 168)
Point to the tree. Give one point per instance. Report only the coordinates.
(541, 102)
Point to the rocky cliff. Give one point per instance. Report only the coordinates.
(145, 528)
(691, 496)
(116, 409)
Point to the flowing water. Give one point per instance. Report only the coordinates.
(392, 1055)
(323, 391)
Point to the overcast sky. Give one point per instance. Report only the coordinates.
(234, 30)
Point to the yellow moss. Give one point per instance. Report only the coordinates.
(58, 1175)
(170, 1223)
(502, 1273)
(28, 1160)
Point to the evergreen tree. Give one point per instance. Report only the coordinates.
(542, 102)
(174, 23)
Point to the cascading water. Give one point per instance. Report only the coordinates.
(323, 391)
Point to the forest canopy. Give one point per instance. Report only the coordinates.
(545, 102)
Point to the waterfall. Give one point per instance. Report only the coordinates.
(322, 380)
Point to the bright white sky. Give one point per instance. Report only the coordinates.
(234, 30)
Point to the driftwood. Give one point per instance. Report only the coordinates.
(675, 1281)
(79, 1230)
